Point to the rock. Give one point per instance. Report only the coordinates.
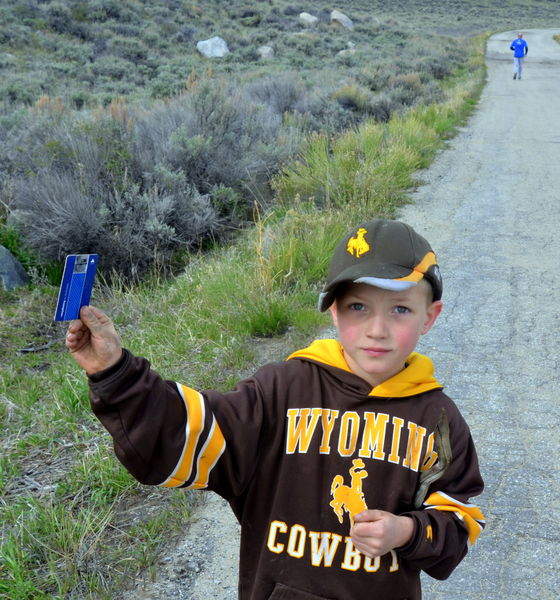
(308, 20)
(12, 274)
(266, 51)
(341, 19)
(350, 49)
(214, 47)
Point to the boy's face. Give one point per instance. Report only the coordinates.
(379, 328)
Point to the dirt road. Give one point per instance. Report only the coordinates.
(490, 209)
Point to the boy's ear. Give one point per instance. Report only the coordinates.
(332, 308)
(433, 312)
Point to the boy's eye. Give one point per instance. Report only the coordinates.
(357, 306)
(401, 310)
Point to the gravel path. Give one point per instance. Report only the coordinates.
(490, 209)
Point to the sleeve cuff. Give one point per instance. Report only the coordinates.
(407, 549)
(106, 373)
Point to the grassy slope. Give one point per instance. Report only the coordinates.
(68, 509)
(92, 52)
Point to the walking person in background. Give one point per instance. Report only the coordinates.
(520, 49)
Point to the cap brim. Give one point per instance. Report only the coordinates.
(327, 297)
(393, 285)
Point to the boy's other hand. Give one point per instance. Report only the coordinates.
(376, 532)
(93, 341)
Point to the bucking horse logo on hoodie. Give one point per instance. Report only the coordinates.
(350, 498)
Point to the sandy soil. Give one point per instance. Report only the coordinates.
(489, 206)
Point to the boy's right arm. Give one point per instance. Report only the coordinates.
(143, 413)
(166, 433)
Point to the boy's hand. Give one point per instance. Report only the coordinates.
(376, 532)
(93, 341)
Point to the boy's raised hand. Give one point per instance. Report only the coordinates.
(93, 341)
(376, 532)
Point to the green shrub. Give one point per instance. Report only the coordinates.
(249, 55)
(22, 89)
(99, 10)
(348, 59)
(291, 11)
(167, 82)
(282, 93)
(213, 135)
(366, 168)
(381, 108)
(137, 187)
(131, 230)
(439, 68)
(81, 99)
(13, 35)
(112, 67)
(227, 203)
(186, 34)
(130, 49)
(59, 17)
(75, 52)
(352, 97)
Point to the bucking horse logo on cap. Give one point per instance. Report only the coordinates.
(357, 245)
(350, 498)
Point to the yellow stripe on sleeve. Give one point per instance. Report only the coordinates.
(470, 514)
(209, 456)
(194, 405)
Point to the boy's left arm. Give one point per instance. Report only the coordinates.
(436, 537)
(448, 522)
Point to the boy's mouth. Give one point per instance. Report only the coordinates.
(376, 351)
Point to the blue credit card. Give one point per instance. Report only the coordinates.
(75, 288)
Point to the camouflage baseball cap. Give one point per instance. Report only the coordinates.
(386, 254)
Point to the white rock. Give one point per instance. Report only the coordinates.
(341, 19)
(308, 20)
(214, 47)
(266, 51)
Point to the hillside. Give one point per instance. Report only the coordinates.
(111, 116)
(93, 52)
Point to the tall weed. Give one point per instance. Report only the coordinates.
(368, 167)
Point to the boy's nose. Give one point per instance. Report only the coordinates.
(377, 328)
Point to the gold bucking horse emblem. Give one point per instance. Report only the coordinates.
(358, 245)
(350, 498)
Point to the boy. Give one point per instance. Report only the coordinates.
(346, 465)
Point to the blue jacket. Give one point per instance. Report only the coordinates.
(519, 47)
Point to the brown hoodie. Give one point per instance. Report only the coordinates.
(297, 450)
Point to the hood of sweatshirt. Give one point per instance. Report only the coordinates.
(417, 376)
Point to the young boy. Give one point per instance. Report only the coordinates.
(348, 468)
